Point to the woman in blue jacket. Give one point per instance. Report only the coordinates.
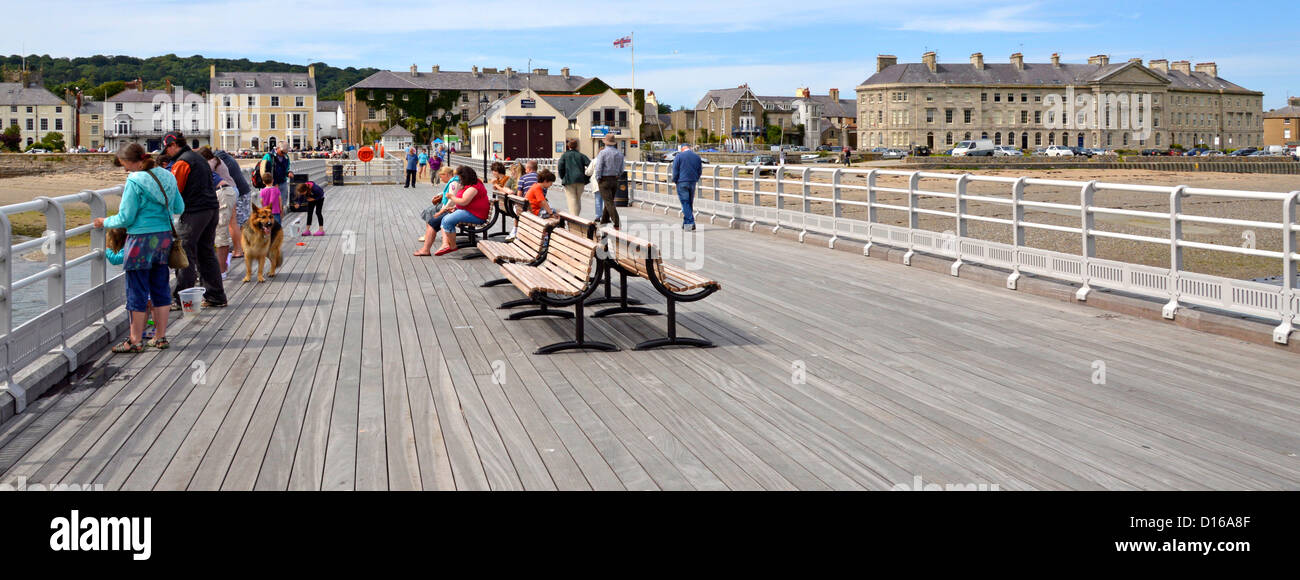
(149, 200)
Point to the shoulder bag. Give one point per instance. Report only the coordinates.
(177, 258)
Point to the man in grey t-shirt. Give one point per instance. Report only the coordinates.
(608, 167)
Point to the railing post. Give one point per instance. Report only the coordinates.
(1288, 302)
(735, 197)
(56, 287)
(1175, 251)
(871, 209)
(1087, 223)
(836, 177)
(6, 315)
(757, 199)
(1017, 230)
(713, 184)
(913, 223)
(959, 193)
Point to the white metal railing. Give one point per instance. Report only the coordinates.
(477, 162)
(63, 316)
(384, 169)
(770, 202)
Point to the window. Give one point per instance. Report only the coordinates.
(997, 138)
(1286, 133)
(1110, 138)
(227, 83)
(464, 97)
(1038, 117)
(1126, 138)
(948, 139)
(45, 124)
(966, 115)
(194, 124)
(997, 98)
(967, 138)
(300, 84)
(984, 135)
(29, 110)
(984, 97)
(1038, 98)
(58, 109)
(194, 106)
(370, 114)
(622, 119)
(117, 107)
(1038, 138)
(225, 101)
(252, 101)
(58, 124)
(176, 125)
(947, 115)
(929, 115)
(94, 129)
(1051, 138)
(279, 84)
(275, 101)
(295, 121)
(176, 107)
(301, 101)
(405, 97)
(929, 98)
(1024, 97)
(272, 120)
(249, 84)
(1024, 117)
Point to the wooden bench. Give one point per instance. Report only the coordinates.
(633, 256)
(528, 247)
(588, 229)
(472, 232)
(568, 276)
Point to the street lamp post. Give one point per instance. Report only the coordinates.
(487, 132)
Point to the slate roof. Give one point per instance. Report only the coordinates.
(15, 94)
(569, 106)
(722, 98)
(397, 131)
(138, 96)
(328, 106)
(1042, 74)
(467, 81)
(264, 83)
(1289, 112)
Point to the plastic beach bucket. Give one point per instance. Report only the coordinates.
(192, 300)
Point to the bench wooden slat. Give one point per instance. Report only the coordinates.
(565, 271)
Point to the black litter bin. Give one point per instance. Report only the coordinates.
(620, 194)
(337, 174)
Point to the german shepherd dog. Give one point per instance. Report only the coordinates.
(262, 238)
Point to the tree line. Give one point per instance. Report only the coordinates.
(103, 76)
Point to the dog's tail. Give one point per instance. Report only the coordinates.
(277, 259)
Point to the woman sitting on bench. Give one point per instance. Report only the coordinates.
(467, 204)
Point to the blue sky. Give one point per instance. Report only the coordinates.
(683, 48)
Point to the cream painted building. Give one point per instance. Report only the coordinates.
(529, 125)
(939, 104)
(35, 111)
(260, 110)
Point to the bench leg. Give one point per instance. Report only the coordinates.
(496, 282)
(542, 310)
(579, 342)
(507, 305)
(624, 304)
(673, 339)
(609, 297)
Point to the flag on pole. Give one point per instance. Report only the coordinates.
(624, 42)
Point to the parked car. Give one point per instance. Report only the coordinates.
(1082, 152)
(920, 151)
(948, 152)
(1243, 152)
(893, 154)
(1195, 151)
(1059, 151)
(974, 148)
(1039, 152)
(1005, 151)
(879, 149)
(760, 160)
(37, 150)
(809, 157)
(1153, 152)
(1212, 153)
(1100, 151)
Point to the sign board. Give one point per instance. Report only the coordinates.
(559, 146)
(599, 130)
(528, 103)
(634, 143)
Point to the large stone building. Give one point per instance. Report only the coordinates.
(35, 111)
(938, 104)
(144, 116)
(1282, 126)
(454, 96)
(260, 110)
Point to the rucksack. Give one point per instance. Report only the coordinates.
(257, 176)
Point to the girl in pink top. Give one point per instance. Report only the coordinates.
(271, 199)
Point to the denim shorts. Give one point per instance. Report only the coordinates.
(143, 286)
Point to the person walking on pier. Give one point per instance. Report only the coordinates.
(277, 163)
(411, 164)
(424, 161)
(608, 167)
(685, 172)
(573, 175)
(243, 203)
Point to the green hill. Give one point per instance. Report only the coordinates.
(190, 72)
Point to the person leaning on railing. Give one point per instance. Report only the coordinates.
(149, 200)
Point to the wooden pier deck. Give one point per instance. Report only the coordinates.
(382, 371)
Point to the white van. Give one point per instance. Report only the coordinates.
(974, 148)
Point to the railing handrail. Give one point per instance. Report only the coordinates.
(1174, 283)
(63, 316)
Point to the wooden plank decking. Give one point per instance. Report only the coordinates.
(379, 370)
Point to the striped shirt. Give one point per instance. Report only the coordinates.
(526, 182)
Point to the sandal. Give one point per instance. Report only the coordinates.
(445, 251)
(129, 347)
(158, 343)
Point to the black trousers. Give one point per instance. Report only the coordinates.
(198, 232)
(608, 186)
(410, 178)
(316, 205)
